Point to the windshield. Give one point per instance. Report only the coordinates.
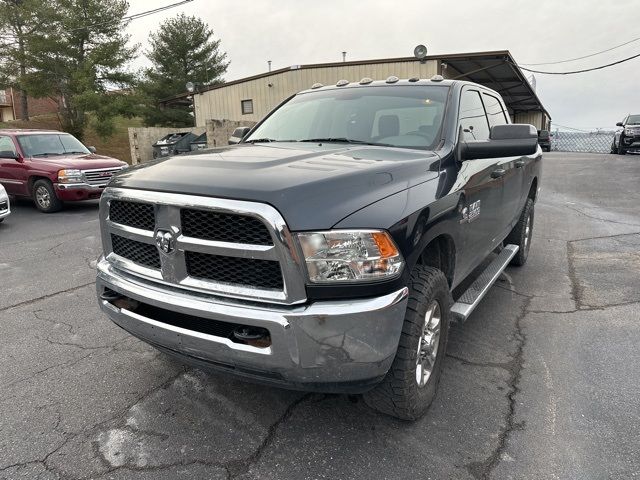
(45, 144)
(399, 116)
(633, 120)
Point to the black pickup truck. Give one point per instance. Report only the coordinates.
(321, 252)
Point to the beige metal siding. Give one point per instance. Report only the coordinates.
(537, 119)
(224, 103)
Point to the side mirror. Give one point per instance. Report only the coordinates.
(238, 134)
(9, 154)
(92, 149)
(619, 124)
(504, 141)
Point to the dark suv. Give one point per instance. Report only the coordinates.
(544, 140)
(627, 139)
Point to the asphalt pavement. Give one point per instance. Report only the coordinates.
(541, 382)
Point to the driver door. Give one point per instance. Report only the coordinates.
(481, 211)
(11, 169)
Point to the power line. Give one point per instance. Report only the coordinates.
(584, 70)
(585, 56)
(128, 18)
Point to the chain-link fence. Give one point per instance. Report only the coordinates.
(592, 142)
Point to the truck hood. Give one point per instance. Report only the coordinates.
(313, 186)
(80, 162)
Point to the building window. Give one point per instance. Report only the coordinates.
(246, 106)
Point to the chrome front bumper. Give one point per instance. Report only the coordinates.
(324, 346)
(82, 186)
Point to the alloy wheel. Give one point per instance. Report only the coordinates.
(43, 198)
(428, 344)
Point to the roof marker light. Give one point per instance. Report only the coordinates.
(392, 79)
(437, 78)
(366, 81)
(342, 83)
(317, 85)
(414, 79)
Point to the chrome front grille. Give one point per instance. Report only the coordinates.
(99, 177)
(226, 247)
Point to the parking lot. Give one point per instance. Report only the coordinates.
(541, 382)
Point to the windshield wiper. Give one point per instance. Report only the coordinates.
(46, 154)
(344, 140)
(71, 153)
(268, 140)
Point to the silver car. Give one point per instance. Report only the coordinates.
(5, 206)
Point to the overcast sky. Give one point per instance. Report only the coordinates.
(291, 32)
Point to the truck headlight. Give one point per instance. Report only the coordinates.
(628, 131)
(70, 176)
(350, 256)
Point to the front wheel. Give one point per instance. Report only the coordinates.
(411, 383)
(45, 197)
(522, 233)
(621, 149)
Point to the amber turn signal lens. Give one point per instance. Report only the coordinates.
(385, 244)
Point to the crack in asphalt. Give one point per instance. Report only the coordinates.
(482, 470)
(45, 297)
(93, 428)
(240, 467)
(593, 217)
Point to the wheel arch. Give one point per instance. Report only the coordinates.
(33, 179)
(440, 253)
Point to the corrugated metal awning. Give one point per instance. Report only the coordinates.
(499, 72)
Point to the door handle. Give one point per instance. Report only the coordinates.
(519, 163)
(500, 172)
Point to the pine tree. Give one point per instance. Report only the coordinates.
(182, 50)
(80, 60)
(19, 19)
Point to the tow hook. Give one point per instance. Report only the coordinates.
(119, 300)
(253, 336)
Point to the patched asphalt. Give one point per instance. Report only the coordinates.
(541, 382)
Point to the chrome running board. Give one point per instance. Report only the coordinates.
(470, 299)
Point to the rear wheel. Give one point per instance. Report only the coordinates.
(411, 383)
(522, 233)
(45, 197)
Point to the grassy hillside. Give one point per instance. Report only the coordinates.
(116, 146)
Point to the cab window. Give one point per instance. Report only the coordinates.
(473, 119)
(7, 147)
(495, 113)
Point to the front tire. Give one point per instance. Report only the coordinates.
(522, 233)
(412, 381)
(621, 149)
(45, 197)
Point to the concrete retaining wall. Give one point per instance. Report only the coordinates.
(141, 139)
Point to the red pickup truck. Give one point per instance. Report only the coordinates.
(52, 167)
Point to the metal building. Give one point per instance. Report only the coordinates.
(250, 99)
